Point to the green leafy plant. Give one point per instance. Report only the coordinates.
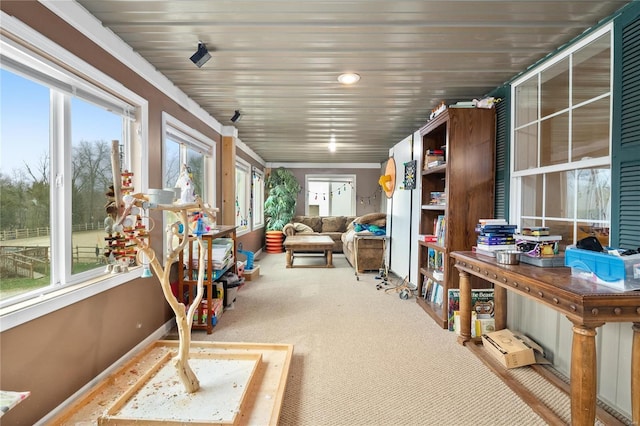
(280, 205)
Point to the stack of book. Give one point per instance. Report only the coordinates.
(221, 252)
(494, 235)
(433, 158)
(438, 199)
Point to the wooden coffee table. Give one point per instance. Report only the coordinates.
(309, 243)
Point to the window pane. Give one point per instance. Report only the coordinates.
(588, 229)
(341, 196)
(318, 199)
(554, 88)
(257, 191)
(594, 192)
(532, 203)
(171, 163)
(527, 102)
(554, 140)
(562, 228)
(195, 162)
(24, 186)
(92, 130)
(526, 147)
(591, 70)
(242, 198)
(590, 128)
(559, 195)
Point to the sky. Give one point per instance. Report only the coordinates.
(24, 122)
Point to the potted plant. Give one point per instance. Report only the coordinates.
(280, 205)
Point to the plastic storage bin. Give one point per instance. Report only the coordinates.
(621, 272)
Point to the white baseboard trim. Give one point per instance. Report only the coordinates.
(156, 335)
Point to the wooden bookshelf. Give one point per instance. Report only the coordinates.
(467, 138)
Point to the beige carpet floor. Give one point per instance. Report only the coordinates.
(364, 356)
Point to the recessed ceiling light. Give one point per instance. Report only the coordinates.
(349, 78)
(332, 144)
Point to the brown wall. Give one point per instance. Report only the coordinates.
(55, 355)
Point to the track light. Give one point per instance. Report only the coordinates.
(236, 116)
(201, 56)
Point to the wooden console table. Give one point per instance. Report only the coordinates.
(585, 304)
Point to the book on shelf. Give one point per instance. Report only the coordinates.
(502, 239)
(429, 158)
(482, 306)
(537, 231)
(440, 229)
(496, 247)
(496, 229)
(427, 238)
(438, 198)
(463, 104)
(483, 252)
(438, 294)
(492, 222)
(537, 238)
(431, 258)
(432, 164)
(427, 288)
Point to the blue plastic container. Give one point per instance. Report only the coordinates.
(622, 271)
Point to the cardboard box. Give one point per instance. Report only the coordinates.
(513, 349)
(252, 274)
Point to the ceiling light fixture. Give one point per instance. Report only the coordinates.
(332, 144)
(349, 78)
(236, 116)
(201, 56)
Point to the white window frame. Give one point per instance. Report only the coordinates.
(244, 167)
(192, 139)
(605, 161)
(257, 199)
(71, 288)
(346, 179)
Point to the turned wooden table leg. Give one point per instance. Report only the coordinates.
(465, 308)
(500, 306)
(329, 258)
(583, 376)
(289, 258)
(635, 375)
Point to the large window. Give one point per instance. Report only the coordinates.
(331, 195)
(561, 142)
(187, 150)
(55, 170)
